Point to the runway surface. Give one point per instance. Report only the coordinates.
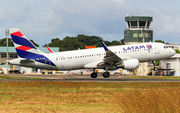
(82, 78)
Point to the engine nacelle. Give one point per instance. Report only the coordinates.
(129, 64)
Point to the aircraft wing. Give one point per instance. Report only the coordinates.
(110, 58)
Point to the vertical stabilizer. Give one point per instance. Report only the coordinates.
(24, 47)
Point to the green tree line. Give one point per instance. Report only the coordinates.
(80, 41)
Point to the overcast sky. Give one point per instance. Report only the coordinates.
(43, 20)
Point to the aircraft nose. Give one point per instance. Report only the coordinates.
(173, 52)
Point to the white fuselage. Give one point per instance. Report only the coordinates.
(77, 59)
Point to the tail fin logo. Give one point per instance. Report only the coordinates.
(20, 39)
(26, 49)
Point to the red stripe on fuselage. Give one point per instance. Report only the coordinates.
(18, 33)
(24, 48)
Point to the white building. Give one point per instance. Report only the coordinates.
(173, 64)
(174, 46)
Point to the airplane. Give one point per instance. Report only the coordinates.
(109, 58)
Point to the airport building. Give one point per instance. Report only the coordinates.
(171, 66)
(174, 46)
(138, 31)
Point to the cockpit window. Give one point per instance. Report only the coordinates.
(166, 47)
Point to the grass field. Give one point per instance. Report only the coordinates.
(11, 77)
(154, 77)
(50, 97)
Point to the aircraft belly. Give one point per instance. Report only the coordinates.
(70, 65)
(75, 64)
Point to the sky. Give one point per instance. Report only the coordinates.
(43, 20)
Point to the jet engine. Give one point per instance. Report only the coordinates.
(129, 64)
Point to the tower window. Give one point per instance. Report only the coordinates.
(134, 24)
(142, 23)
(140, 35)
(135, 35)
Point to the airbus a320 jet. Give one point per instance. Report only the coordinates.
(108, 58)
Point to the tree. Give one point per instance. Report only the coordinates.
(88, 40)
(73, 43)
(55, 43)
(68, 43)
(115, 42)
(177, 50)
(122, 42)
(3, 42)
(159, 41)
(157, 63)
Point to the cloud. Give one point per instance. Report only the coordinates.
(165, 26)
(44, 20)
(85, 17)
(122, 2)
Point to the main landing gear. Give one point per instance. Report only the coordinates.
(94, 75)
(105, 74)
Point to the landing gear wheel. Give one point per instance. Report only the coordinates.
(93, 75)
(106, 74)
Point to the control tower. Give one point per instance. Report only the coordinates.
(138, 29)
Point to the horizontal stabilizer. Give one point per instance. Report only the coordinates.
(26, 61)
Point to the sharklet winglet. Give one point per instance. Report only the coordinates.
(104, 46)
